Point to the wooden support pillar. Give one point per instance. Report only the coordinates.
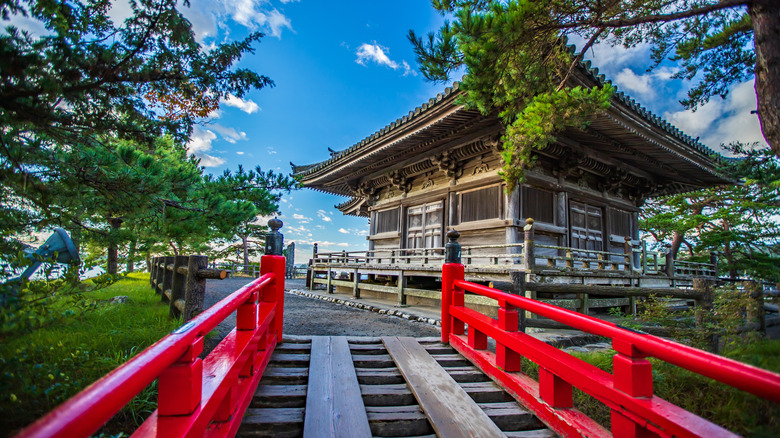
(562, 216)
(160, 276)
(309, 276)
(512, 215)
(401, 285)
(355, 283)
(714, 263)
(329, 288)
(167, 283)
(628, 251)
(195, 287)
(583, 308)
(703, 307)
(152, 271)
(178, 285)
(669, 266)
(529, 256)
(518, 288)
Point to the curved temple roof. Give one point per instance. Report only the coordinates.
(628, 131)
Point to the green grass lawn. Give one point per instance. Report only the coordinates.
(40, 370)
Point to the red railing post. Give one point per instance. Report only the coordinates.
(508, 320)
(179, 386)
(632, 374)
(275, 262)
(555, 391)
(451, 270)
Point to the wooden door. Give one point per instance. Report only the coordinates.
(587, 227)
(424, 225)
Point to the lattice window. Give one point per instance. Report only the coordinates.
(481, 204)
(538, 204)
(620, 222)
(386, 221)
(423, 225)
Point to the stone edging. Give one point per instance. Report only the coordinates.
(381, 311)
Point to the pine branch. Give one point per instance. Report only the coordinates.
(647, 19)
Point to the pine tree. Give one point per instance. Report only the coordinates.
(64, 94)
(737, 222)
(517, 63)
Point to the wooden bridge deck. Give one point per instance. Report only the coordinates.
(387, 387)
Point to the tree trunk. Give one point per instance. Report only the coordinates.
(175, 250)
(765, 15)
(113, 257)
(131, 257)
(245, 242)
(677, 241)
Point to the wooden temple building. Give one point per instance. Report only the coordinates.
(436, 170)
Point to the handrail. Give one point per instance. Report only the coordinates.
(755, 380)
(628, 392)
(174, 359)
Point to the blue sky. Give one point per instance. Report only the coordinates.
(345, 69)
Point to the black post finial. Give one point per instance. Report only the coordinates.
(452, 248)
(274, 241)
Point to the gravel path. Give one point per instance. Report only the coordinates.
(308, 316)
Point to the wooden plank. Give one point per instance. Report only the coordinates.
(449, 408)
(386, 376)
(276, 423)
(279, 396)
(507, 415)
(285, 376)
(334, 406)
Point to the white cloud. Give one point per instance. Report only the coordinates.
(229, 134)
(376, 53)
(722, 121)
(324, 216)
(239, 152)
(632, 82)
(210, 18)
(300, 217)
(271, 151)
(254, 14)
(200, 144)
(646, 85)
(277, 22)
(246, 106)
(611, 59)
(343, 231)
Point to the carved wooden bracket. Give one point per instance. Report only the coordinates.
(448, 165)
(399, 181)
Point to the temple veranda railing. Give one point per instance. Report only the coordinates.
(529, 257)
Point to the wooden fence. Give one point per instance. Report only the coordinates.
(181, 282)
(532, 257)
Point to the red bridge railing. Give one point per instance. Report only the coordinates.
(628, 392)
(195, 397)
